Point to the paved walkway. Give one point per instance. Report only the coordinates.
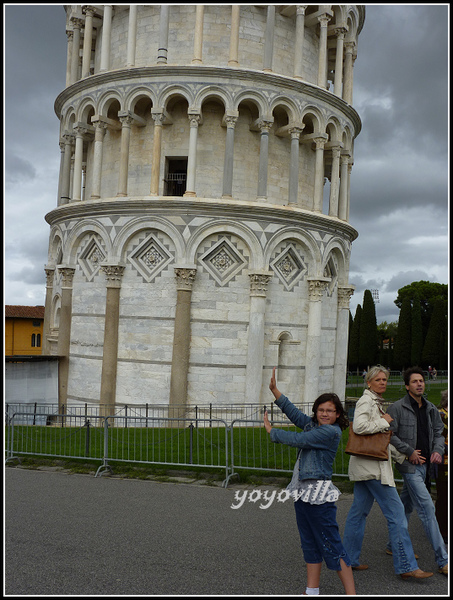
(70, 534)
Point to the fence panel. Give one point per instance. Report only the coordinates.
(56, 435)
(159, 440)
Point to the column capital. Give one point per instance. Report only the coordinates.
(316, 287)
(259, 281)
(67, 275)
(194, 119)
(113, 274)
(345, 293)
(185, 277)
(50, 272)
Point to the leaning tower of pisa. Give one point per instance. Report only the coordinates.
(201, 231)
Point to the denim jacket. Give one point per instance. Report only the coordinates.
(404, 429)
(318, 443)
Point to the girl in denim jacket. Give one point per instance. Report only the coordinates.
(311, 485)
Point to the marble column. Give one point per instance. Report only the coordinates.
(341, 341)
(100, 128)
(227, 188)
(80, 131)
(113, 275)
(264, 127)
(106, 38)
(316, 288)
(319, 172)
(185, 278)
(234, 36)
(159, 119)
(338, 83)
(50, 272)
(162, 51)
(269, 38)
(77, 25)
(194, 120)
(322, 55)
(66, 168)
(348, 71)
(299, 44)
(259, 281)
(334, 181)
(198, 38)
(126, 122)
(344, 186)
(64, 334)
(294, 165)
(131, 36)
(88, 11)
(70, 36)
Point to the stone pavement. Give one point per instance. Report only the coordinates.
(71, 534)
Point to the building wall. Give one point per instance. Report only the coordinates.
(18, 336)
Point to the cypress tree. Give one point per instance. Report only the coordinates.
(434, 337)
(402, 350)
(353, 354)
(368, 337)
(416, 332)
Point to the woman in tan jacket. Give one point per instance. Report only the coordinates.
(374, 481)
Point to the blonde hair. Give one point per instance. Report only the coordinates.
(374, 371)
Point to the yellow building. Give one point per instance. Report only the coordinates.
(23, 330)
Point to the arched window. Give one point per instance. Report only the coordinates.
(35, 340)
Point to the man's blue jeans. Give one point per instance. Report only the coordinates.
(415, 495)
(365, 492)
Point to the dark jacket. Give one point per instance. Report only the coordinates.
(404, 427)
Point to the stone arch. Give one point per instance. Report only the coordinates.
(338, 251)
(55, 256)
(312, 119)
(139, 95)
(224, 226)
(109, 100)
(253, 99)
(212, 93)
(78, 232)
(141, 223)
(85, 110)
(174, 93)
(305, 239)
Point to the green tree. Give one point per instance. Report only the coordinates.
(433, 350)
(368, 336)
(427, 293)
(416, 332)
(353, 351)
(387, 336)
(402, 350)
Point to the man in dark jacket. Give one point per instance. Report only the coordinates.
(417, 433)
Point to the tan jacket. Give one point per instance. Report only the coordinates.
(368, 419)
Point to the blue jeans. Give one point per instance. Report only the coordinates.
(365, 492)
(319, 534)
(415, 495)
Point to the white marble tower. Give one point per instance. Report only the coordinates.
(201, 232)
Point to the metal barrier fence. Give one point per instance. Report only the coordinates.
(201, 442)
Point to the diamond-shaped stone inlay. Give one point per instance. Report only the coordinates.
(91, 258)
(289, 267)
(223, 261)
(150, 258)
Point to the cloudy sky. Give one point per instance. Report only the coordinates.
(399, 182)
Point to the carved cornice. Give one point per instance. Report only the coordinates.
(210, 207)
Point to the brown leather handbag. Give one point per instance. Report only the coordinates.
(373, 446)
